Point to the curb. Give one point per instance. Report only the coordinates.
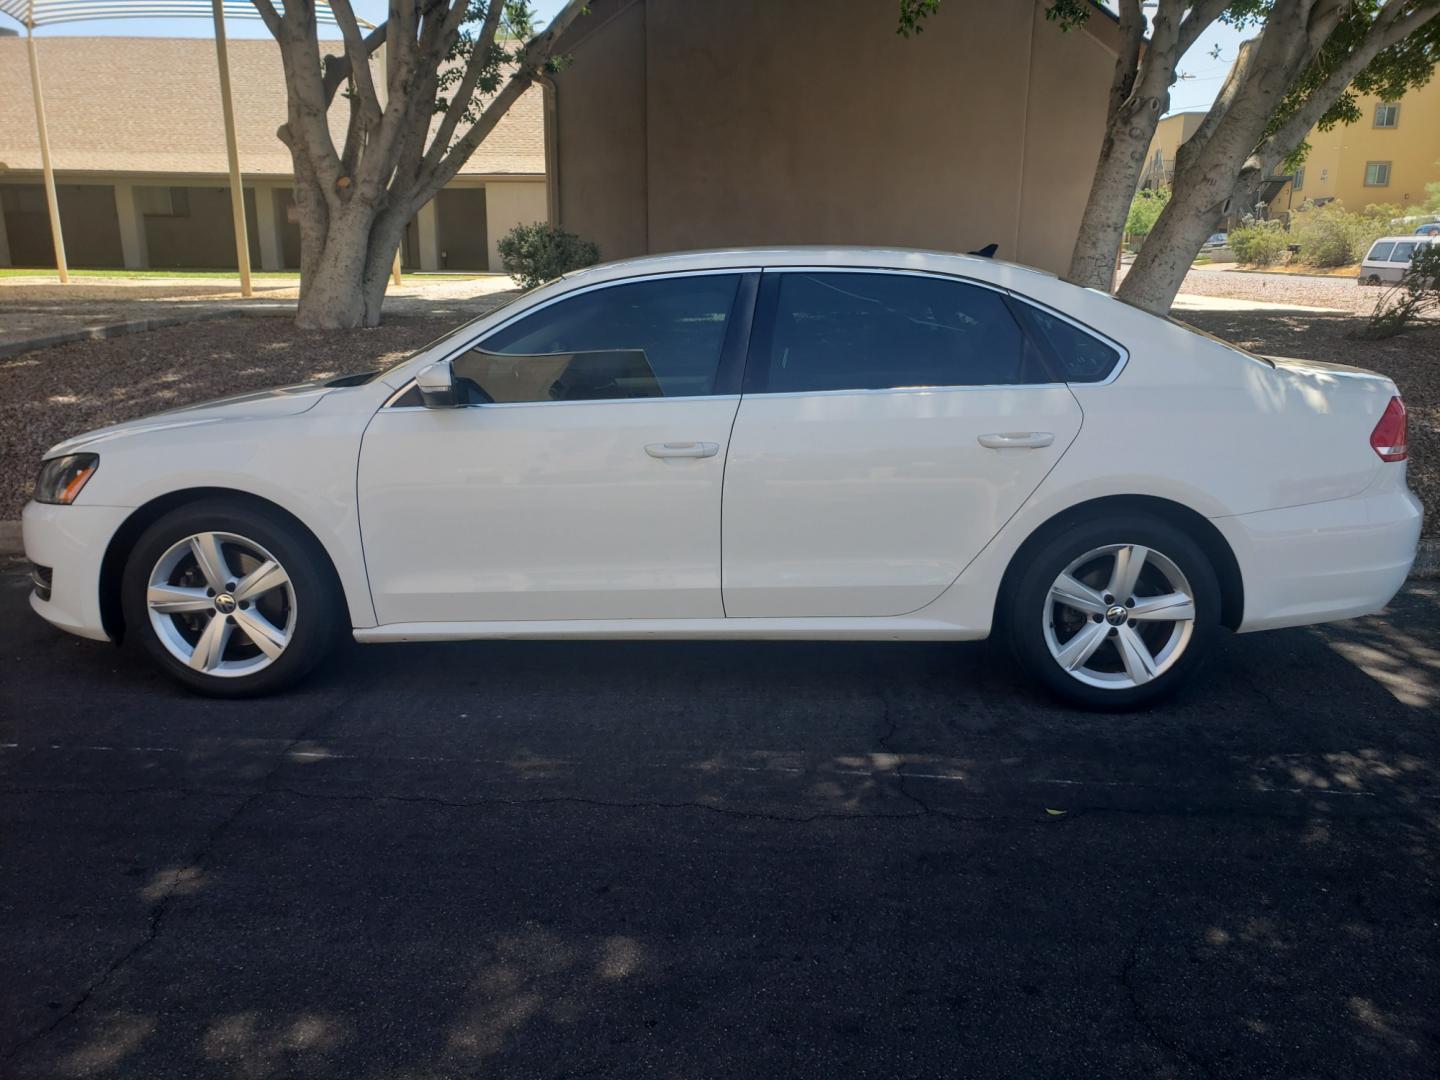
(1427, 557)
(137, 326)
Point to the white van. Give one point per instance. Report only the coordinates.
(1390, 257)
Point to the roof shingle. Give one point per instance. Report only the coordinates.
(152, 105)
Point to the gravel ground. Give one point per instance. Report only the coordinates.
(1343, 294)
(55, 393)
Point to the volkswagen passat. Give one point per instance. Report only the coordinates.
(829, 443)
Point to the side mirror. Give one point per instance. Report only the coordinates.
(436, 384)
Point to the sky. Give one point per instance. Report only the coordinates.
(1201, 69)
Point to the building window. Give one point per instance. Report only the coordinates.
(1377, 174)
(1298, 180)
(1387, 114)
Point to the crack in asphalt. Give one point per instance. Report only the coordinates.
(1137, 1010)
(161, 907)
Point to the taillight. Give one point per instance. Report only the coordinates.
(1390, 437)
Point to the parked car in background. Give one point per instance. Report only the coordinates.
(1218, 239)
(1430, 229)
(1389, 258)
(820, 443)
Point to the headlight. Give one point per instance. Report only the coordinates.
(61, 478)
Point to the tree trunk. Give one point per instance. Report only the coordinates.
(333, 297)
(1117, 175)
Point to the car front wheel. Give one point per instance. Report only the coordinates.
(230, 599)
(1115, 614)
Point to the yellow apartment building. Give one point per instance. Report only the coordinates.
(1387, 156)
(1170, 132)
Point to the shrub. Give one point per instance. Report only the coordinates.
(1258, 243)
(1145, 208)
(537, 253)
(1417, 293)
(1330, 235)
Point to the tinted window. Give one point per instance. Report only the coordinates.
(1403, 252)
(1080, 357)
(837, 331)
(1380, 252)
(658, 338)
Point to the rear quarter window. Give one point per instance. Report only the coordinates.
(1078, 356)
(1380, 252)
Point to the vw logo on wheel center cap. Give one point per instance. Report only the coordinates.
(1115, 616)
(225, 603)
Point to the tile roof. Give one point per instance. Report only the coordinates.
(152, 105)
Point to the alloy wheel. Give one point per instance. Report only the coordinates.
(1119, 616)
(221, 604)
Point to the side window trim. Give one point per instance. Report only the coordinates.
(757, 356)
(727, 375)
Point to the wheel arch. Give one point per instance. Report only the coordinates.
(112, 564)
(1201, 530)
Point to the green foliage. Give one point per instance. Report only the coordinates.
(1404, 66)
(1432, 200)
(1259, 243)
(535, 254)
(1417, 294)
(1145, 208)
(913, 13)
(1330, 235)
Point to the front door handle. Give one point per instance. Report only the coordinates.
(1024, 440)
(682, 449)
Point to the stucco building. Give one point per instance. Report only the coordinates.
(681, 125)
(139, 153)
(1387, 156)
(1170, 132)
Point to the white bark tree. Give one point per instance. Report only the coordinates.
(1299, 70)
(455, 60)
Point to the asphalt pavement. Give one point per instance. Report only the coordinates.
(692, 860)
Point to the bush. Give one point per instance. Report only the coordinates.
(1417, 294)
(535, 254)
(1145, 208)
(1258, 243)
(1330, 235)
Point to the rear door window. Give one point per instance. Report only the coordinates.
(878, 331)
(1403, 251)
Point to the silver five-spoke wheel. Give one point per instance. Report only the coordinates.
(1119, 616)
(221, 604)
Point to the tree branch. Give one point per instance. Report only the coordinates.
(460, 103)
(338, 68)
(1197, 21)
(270, 17)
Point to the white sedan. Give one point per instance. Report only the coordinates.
(823, 443)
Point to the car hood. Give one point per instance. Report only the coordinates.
(282, 401)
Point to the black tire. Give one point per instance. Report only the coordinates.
(1026, 610)
(312, 608)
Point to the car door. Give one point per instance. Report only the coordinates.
(582, 477)
(891, 422)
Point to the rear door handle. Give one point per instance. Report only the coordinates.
(682, 449)
(1025, 440)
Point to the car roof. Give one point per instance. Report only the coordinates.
(817, 255)
(1408, 238)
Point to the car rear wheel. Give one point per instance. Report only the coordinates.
(1115, 613)
(230, 599)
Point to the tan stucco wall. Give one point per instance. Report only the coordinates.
(682, 125)
(507, 204)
